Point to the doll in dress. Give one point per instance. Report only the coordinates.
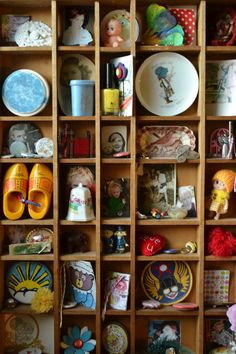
(113, 33)
(223, 184)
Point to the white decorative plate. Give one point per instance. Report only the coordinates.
(163, 141)
(72, 67)
(124, 17)
(44, 147)
(166, 84)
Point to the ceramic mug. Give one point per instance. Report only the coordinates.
(82, 97)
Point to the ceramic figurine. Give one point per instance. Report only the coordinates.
(113, 33)
(116, 203)
(108, 240)
(80, 204)
(120, 241)
(223, 184)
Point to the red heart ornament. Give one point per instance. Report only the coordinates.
(149, 245)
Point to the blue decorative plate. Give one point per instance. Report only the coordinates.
(25, 278)
(25, 92)
(167, 282)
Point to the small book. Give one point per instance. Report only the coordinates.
(216, 286)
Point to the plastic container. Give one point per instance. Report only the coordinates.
(82, 97)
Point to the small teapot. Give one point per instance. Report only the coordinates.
(80, 204)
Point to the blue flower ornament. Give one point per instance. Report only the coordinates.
(78, 341)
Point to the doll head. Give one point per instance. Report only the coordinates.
(224, 180)
(114, 189)
(80, 174)
(113, 27)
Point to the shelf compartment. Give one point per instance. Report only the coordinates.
(68, 222)
(79, 256)
(219, 259)
(28, 257)
(221, 161)
(169, 221)
(223, 221)
(218, 311)
(178, 49)
(75, 48)
(25, 160)
(78, 160)
(28, 222)
(157, 119)
(166, 311)
(116, 257)
(76, 119)
(170, 257)
(79, 310)
(116, 221)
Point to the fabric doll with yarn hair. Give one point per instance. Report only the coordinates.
(223, 184)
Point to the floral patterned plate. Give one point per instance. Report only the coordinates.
(163, 141)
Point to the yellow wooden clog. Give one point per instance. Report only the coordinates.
(40, 190)
(14, 188)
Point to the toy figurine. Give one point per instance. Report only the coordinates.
(108, 240)
(116, 202)
(113, 33)
(223, 184)
(120, 241)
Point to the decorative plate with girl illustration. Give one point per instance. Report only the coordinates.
(166, 84)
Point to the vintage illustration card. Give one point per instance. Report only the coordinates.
(186, 199)
(157, 188)
(124, 74)
(217, 333)
(163, 335)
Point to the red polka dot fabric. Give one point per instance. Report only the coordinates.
(186, 17)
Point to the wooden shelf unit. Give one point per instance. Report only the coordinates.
(194, 172)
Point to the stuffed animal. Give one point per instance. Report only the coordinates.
(221, 243)
(231, 314)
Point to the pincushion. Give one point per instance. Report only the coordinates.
(149, 245)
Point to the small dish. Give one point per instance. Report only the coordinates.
(25, 92)
(40, 234)
(166, 84)
(177, 213)
(115, 338)
(44, 147)
(123, 17)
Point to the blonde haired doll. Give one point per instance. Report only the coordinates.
(223, 184)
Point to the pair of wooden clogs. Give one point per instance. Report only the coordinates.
(15, 185)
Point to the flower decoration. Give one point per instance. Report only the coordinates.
(42, 301)
(78, 341)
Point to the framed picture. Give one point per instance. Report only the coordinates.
(186, 199)
(218, 333)
(157, 188)
(220, 87)
(78, 26)
(163, 335)
(114, 140)
(9, 26)
(116, 200)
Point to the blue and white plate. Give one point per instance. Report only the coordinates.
(25, 93)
